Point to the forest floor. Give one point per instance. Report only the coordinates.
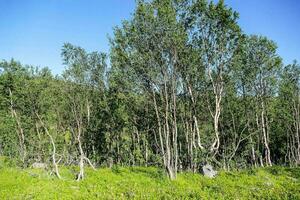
(149, 183)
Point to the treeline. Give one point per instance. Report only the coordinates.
(184, 86)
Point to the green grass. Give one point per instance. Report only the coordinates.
(149, 183)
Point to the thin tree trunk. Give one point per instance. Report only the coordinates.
(218, 90)
(162, 150)
(175, 148)
(297, 127)
(19, 129)
(53, 147)
(195, 118)
(253, 152)
(265, 137)
(39, 143)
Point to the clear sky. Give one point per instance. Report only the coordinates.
(33, 31)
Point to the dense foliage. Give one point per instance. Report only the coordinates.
(184, 87)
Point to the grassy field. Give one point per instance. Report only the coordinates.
(149, 183)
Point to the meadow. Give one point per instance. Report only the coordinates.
(148, 183)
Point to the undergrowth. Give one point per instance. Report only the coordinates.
(149, 183)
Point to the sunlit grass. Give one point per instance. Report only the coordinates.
(149, 183)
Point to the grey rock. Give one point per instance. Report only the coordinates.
(37, 165)
(34, 175)
(208, 171)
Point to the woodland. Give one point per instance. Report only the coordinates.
(182, 86)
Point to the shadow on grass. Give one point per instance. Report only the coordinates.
(155, 173)
(294, 172)
(279, 171)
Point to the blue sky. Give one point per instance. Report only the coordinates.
(33, 31)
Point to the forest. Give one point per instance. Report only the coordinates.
(182, 86)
